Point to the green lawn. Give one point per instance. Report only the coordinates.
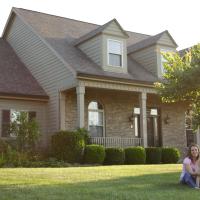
(155, 182)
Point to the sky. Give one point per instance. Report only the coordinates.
(180, 17)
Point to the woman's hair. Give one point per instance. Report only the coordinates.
(189, 150)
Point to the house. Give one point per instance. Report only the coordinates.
(73, 74)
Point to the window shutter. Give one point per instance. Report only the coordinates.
(31, 115)
(5, 123)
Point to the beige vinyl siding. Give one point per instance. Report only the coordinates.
(93, 49)
(45, 66)
(19, 105)
(148, 58)
(113, 29)
(166, 40)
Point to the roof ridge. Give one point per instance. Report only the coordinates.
(75, 19)
(56, 16)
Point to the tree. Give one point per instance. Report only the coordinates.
(181, 81)
(26, 131)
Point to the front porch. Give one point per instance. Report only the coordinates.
(118, 115)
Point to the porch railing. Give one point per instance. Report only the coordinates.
(116, 141)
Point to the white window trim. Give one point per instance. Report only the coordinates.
(122, 57)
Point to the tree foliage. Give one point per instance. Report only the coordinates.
(26, 131)
(181, 81)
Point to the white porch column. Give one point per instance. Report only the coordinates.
(143, 117)
(80, 91)
(62, 110)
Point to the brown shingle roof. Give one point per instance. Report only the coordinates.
(61, 33)
(15, 79)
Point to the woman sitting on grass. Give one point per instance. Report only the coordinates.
(188, 175)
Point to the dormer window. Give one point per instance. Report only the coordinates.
(163, 60)
(115, 53)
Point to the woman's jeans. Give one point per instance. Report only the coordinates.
(189, 180)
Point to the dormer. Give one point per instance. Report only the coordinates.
(106, 46)
(148, 52)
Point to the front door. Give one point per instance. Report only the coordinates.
(150, 132)
(153, 126)
(153, 138)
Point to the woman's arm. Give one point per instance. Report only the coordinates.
(189, 170)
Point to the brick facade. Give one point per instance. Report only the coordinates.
(173, 133)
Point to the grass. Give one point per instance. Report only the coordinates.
(135, 182)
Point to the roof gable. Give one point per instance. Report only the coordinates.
(166, 39)
(112, 27)
(161, 38)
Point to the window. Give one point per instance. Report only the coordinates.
(15, 114)
(9, 116)
(163, 60)
(95, 119)
(115, 53)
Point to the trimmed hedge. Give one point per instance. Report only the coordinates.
(68, 146)
(94, 154)
(170, 155)
(135, 155)
(153, 155)
(114, 156)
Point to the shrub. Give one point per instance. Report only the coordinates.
(15, 158)
(26, 131)
(135, 155)
(2, 160)
(153, 155)
(84, 133)
(170, 155)
(68, 146)
(114, 156)
(94, 154)
(3, 146)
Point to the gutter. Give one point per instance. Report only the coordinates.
(24, 97)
